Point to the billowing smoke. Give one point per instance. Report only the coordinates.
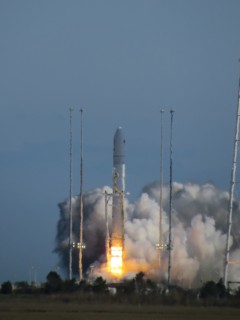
(199, 226)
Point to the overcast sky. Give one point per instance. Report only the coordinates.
(122, 61)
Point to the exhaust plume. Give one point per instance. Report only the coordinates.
(199, 224)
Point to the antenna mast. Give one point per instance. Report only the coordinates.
(70, 195)
(232, 188)
(170, 206)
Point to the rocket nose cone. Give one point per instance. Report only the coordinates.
(118, 132)
(119, 136)
(119, 142)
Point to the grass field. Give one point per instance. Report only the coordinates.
(46, 308)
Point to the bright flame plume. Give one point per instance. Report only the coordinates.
(116, 261)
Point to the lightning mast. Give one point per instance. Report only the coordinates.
(170, 206)
(232, 188)
(70, 194)
(159, 245)
(81, 245)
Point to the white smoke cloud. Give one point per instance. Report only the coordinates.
(198, 231)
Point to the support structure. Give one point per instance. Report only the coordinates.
(170, 205)
(70, 195)
(232, 188)
(108, 196)
(120, 193)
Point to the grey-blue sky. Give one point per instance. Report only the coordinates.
(122, 61)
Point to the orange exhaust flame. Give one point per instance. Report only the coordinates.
(116, 261)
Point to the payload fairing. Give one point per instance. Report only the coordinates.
(117, 237)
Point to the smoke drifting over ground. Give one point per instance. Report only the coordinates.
(199, 226)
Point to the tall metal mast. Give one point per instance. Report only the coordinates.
(70, 195)
(170, 206)
(159, 245)
(232, 188)
(81, 246)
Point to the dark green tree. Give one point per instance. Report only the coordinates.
(140, 282)
(222, 292)
(54, 282)
(213, 290)
(7, 287)
(99, 285)
(129, 286)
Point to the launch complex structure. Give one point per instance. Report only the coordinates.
(115, 240)
(115, 243)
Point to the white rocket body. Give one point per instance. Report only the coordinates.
(117, 238)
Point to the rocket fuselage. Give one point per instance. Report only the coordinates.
(117, 238)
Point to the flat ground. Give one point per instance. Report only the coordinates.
(44, 309)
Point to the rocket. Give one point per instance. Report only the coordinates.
(117, 237)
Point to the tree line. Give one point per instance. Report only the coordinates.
(138, 290)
